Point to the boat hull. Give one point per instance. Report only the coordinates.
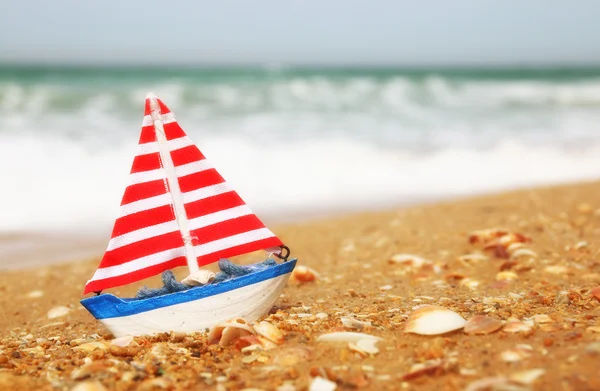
(197, 309)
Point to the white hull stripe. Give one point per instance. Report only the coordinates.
(165, 118)
(232, 241)
(175, 144)
(142, 234)
(138, 264)
(218, 217)
(165, 199)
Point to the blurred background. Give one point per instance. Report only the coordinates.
(306, 107)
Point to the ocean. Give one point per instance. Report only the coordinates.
(294, 142)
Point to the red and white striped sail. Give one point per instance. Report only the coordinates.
(148, 237)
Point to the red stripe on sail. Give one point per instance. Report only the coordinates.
(125, 279)
(142, 248)
(199, 180)
(239, 250)
(146, 162)
(173, 131)
(186, 155)
(163, 107)
(143, 219)
(147, 107)
(148, 135)
(226, 229)
(213, 204)
(141, 191)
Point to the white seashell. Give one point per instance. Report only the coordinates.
(410, 260)
(518, 353)
(518, 327)
(556, 269)
(321, 384)
(514, 247)
(506, 276)
(473, 258)
(57, 312)
(353, 323)
(122, 341)
(527, 377)
(225, 332)
(89, 386)
(433, 320)
(200, 277)
(35, 294)
(368, 345)
(269, 331)
(495, 383)
(346, 336)
(523, 252)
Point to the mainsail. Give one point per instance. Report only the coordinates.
(148, 237)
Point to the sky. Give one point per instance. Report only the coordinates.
(323, 32)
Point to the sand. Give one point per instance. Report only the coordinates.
(546, 290)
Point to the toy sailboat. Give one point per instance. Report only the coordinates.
(178, 210)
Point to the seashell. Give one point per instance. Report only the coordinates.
(506, 276)
(302, 274)
(486, 235)
(35, 294)
(473, 258)
(289, 357)
(57, 312)
(514, 247)
(122, 341)
(426, 368)
(595, 292)
(482, 324)
(580, 245)
(91, 346)
(556, 269)
(527, 377)
(469, 283)
(322, 315)
(89, 386)
(269, 331)
(198, 278)
(593, 348)
(346, 336)
(523, 252)
(593, 329)
(409, 260)
(433, 320)
(518, 327)
(367, 346)
(542, 318)
(518, 353)
(495, 383)
(321, 384)
(353, 323)
(228, 331)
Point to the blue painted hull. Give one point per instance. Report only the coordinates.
(204, 303)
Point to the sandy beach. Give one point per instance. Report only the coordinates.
(542, 302)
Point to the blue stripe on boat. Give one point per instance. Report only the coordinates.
(109, 306)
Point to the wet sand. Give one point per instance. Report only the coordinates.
(376, 268)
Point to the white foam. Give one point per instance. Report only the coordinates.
(51, 183)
